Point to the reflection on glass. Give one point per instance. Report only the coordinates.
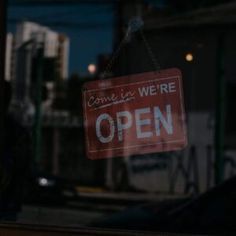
(102, 129)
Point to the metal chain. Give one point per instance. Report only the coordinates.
(134, 25)
(114, 56)
(151, 54)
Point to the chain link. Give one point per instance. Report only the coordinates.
(114, 56)
(150, 52)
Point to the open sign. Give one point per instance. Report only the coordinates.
(134, 114)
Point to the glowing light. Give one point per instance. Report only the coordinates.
(189, 57)
(92, 68)
(43, 182)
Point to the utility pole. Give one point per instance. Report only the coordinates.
(38, 111)
(3, 22)
(118, 23)
(220, 112)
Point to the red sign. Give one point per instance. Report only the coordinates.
(136, 114)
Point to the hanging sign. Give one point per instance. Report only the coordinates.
(135, 114)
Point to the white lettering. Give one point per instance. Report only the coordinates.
(120, 125)
(147, 91)
(99, 120)
(164, 88)
(159, 118)
(144, 91)
(172, 88)
(153, 90)
(95, 101)
(143, 122)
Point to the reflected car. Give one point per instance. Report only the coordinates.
(212, 212)
(49, 189)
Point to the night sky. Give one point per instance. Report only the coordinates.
(89, 27)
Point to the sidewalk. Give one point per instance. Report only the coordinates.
(102, 195)
(58, 216)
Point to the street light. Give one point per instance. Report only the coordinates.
(92, 69)
(189, 57)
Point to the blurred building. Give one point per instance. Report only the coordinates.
(63, 55)
(9, 59)
(31, 40)
(54, 42)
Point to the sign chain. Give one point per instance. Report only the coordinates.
(114, 56)
(150, 52)
(135, 24)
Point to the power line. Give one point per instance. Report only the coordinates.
(71, 25)
(3, 16)
(59, 2)
(69, 13)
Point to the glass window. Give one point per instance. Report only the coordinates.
(118, 115)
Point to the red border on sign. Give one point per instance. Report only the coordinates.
(96, 150)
